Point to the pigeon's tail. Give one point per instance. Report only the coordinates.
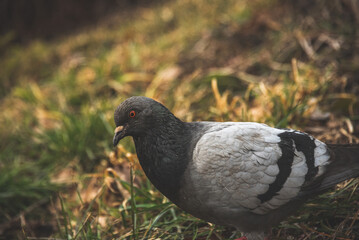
(344, 164)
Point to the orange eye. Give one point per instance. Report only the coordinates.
(132, 114)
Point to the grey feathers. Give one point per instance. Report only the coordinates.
(252, 167)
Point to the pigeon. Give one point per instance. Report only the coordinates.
(245, 175)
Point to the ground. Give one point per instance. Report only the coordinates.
(284, 63)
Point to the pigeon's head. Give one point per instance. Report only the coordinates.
(137, 115)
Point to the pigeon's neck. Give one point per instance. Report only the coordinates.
(163, 155)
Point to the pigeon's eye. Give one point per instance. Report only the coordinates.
(132, 114)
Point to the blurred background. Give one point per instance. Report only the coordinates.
(66, 65)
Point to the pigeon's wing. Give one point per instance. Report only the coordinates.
(255, 167)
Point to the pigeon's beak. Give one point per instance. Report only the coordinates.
(119, 134)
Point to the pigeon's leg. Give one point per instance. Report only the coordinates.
(241, 238)
(245, 238)
(234, 233)
(252, 236)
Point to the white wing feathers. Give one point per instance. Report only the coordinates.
(243, 165)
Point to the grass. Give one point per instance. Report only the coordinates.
(264, 61)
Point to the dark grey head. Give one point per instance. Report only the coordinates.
(137, 115)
